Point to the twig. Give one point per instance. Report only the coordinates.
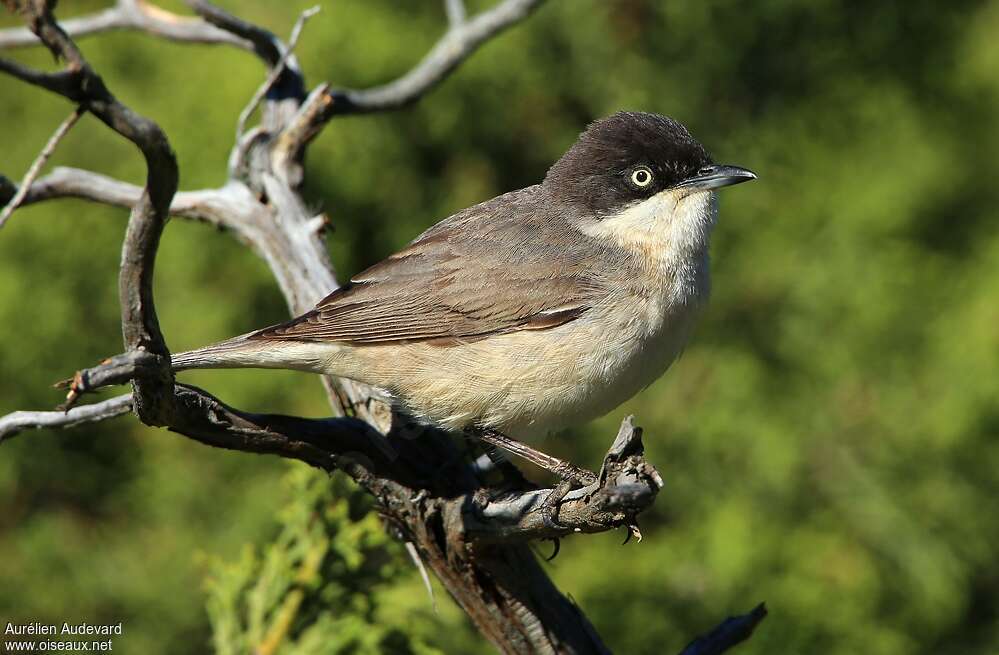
(730, 632)
(62, 82)
(457, 44)
(453, 48)
(265, 44)
(275, 72)
(414, 555)
(16, 422)
(456, 14)
(136, 15)
(119, 369)
(36, 166)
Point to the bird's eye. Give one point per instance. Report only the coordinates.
(641, 177)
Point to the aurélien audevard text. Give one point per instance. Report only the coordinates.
(67, 628)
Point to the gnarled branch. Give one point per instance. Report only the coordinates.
(627, 485)
(140, 327)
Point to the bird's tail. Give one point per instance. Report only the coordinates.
(238, 352)
(251, 350)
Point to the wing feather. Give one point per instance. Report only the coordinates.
(495, 268)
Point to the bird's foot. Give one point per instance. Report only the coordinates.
(549, 508)
(572, 477)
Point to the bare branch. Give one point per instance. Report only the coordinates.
(16, 422)
(456, 14)
(140, 328)
(626, 486)
(452, 49)
(36, 166)
(119, 369)
(265, 44)
(284, 90)
(457, 44)
(62, 83)
(730, 632)
(135, 15)
(219, 207)
(276, 72)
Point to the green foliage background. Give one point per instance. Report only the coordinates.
(829, 439)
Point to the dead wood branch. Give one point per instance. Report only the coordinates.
(214, 206)
(36, 166)
(730, 632)
(463, 38)
(132, 15)
(16, 422)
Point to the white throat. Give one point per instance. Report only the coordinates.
(669, 234)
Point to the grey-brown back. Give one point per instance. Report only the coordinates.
(507, 264)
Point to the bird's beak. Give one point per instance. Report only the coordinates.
(716, 176)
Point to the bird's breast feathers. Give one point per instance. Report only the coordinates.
(531, 382)
(495, 370)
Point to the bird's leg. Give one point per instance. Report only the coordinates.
(561, 468)
(511, 474)
(569, 474)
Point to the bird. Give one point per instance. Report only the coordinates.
(531, 312)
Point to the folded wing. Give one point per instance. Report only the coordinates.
(495, 268)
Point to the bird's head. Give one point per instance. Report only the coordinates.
(640, 175)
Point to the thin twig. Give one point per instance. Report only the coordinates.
(275, 72)
(265, 44)
(36, 166)
(458, 43)
(455, 10)
(729, 633)
(453, 48)
(16, 422)
(414, 555)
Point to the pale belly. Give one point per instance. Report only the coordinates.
(530, 383)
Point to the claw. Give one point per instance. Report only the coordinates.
(558, 546)
(549, 509)
(550, 520)
(633, 531)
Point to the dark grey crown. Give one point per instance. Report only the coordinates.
(595, 174)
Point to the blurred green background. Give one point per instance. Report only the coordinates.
(829, 439)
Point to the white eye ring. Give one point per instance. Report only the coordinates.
(641, 177)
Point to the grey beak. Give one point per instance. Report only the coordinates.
(717, 176)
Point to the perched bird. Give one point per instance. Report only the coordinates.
(535, 310)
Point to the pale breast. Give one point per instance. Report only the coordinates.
(531, 383)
